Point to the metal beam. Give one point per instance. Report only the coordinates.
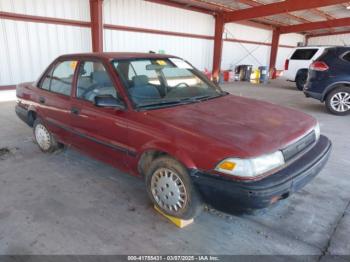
(219, 30)
(96, 10)
(182, 6)
(327, 34)
(42, 19)
(291, 16)
(315, 25)
(273, 53)
(154, 31)
(277, 8)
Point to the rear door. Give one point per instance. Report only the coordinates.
(54, 98)
(101, 132)
(301, 59)
(344, 66)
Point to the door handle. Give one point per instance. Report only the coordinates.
(42, 100)
(75, 111)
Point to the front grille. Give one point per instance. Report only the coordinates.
(298, 147)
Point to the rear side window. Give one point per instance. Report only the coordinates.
(303, 54)
(60, 79)
(346, 57)
(47, 81)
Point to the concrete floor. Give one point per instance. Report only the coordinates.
(67, 203)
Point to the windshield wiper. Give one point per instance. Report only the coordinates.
(161, 103)
(200, 98)
(180, 101)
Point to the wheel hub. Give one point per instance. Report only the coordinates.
(340, 102)
(42, 137)
(168, 189)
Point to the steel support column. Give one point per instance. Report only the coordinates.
(96, 10)
(219, 30)
(307, 37)
(273, 53)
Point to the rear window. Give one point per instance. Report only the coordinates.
(303, 54)
(346, 57)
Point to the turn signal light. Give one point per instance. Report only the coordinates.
(227, 165)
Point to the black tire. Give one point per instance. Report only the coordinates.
(52, 144)
(331, 95)
(300, 80)
(193, 204)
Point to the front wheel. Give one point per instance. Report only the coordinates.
(170, 188)
(338, 101)
(44, 139)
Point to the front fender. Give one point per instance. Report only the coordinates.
(170, 149)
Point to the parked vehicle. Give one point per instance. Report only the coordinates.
(297, 65)
(329, 80)
(157, 117)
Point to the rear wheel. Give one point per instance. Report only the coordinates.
(338, 101)
(170, 188)
(44, 139)
(300, 80)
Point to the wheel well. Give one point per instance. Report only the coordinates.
(31, 117)
(147, 158)
(302, 70)
(334, 87)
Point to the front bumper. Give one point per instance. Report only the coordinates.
(234, 196)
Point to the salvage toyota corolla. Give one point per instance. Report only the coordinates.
(157, 117)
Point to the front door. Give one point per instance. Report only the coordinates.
(101, 132)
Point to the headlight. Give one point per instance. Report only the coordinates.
(317, 131)
(252, 167)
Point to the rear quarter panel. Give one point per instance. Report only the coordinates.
(27, 96)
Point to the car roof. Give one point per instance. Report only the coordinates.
(341, 48)
(314, 46)
(117, 55)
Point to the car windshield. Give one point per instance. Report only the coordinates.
(153, 83)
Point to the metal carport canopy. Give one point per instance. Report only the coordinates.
(277, 8)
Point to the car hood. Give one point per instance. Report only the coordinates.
(248, 126)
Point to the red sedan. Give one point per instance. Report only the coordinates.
(157, 117)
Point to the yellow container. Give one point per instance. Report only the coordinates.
(255, 75)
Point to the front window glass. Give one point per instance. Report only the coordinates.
(164, 82)
(94, 80)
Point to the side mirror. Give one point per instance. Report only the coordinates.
(109, 101)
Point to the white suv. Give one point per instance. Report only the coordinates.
(297, 65)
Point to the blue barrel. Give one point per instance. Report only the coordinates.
(264, 74)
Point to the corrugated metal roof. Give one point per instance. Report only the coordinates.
(292, 18)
